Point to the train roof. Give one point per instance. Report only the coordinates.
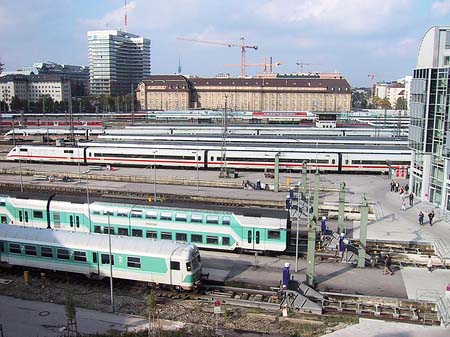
(172, 206)
(95, 242)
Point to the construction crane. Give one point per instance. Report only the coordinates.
(301, 64)
(264, 65)
(242, 45)
(372, 77)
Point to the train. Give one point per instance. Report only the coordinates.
(333, 158)
(174, 264)
(237, 229)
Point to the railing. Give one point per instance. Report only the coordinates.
(442, 303)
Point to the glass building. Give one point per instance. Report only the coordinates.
(429, 131)
(117, 60)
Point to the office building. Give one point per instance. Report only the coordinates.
(316, 92)
(117, 61)
(429, 135)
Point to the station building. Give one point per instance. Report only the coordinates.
(274, 92)
(429, 133)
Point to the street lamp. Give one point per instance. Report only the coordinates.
(154, 176)
(110, 264)
(87, 198)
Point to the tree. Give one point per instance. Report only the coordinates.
(152, 314)
(401, 104)
(385, 104)
(16, 104)
(71, 313)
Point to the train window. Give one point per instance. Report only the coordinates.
(151, 234)
(212, 219)
(181, 217)
(20, 216)
(56, 220)
(71, 220)
(174, 265)
(181, 236)
(166, 236)
(30, 250)
(38, 214)
(108, 212)
(258, 237)
(136, 232)
(226, 241)
(249, 236)
(24, 150)
(105, 230)
(197, 218)
(197, 238)
(213, 240)
(68, 151)
(122, 231)
(133, 262)
(226, 220)
(105, 259)
(62, 254)
(46, 252)
(94, 257)
(212, 158)
(14, 248)
(188, 266)
(151, 215)
(273, 235)
(26, 216)
(122, 213)
(136, 214)
(165, 216)
(2, 247)
(79, 256)
(96, 212)
(333, 161)
(97, 229)
(77, 221)
(346, 161)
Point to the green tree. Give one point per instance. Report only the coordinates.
(385, 104)
(16, 104)
(71, 313)
(401, 104)
(152, 314)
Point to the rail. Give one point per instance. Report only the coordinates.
(441, 300)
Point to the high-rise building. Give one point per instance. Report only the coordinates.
(429, 134)
(117, 60)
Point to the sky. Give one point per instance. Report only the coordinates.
(353, 37)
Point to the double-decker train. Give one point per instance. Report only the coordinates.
(236, 229)
(337, 158)
(161, 262)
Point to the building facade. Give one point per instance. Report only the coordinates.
(392, 91)
(117, 61)
(429, 132)
(275, 93)
(33, 87)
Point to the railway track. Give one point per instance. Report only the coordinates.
(394, 309)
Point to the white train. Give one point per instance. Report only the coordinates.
(329, 158)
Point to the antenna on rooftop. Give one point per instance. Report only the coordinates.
(125, 17)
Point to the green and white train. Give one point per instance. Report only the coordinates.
(240, 229)
(171, 263)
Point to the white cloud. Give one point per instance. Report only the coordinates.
(354, 16)
(441, 8)
(402, 48)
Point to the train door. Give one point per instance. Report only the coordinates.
(23, 217)
(254, 239)
(339, 162)
(175, 273)
(205, 159)
(74, 222)
(94, 268)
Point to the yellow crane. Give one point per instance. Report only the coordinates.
(264, 65)
(242, 45)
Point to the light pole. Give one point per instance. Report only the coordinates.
(296, 237)
(110, 264)
(20, 172)
(196, 164)
(87, 198)
(154, 176)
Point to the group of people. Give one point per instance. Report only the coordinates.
(388, 261)
(403, 190)
(430, 217)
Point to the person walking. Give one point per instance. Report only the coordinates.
(430, 264)
(421, 216)
(387, 265)
(430, 217)
(411, 199)
(403, 207)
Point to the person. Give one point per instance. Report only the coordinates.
(387, 265)
(406, 188)
(411, 199)
(342, 245)
(403, 207)
(430, 217)
(392, 186)
(402, 190)
(421, 216)
(397, 186)
(430, 264)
